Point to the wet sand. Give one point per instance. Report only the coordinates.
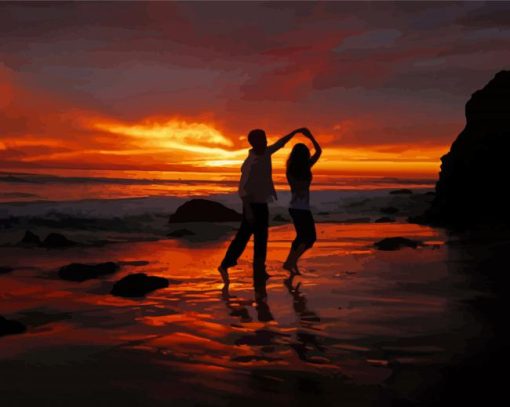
(359, 327)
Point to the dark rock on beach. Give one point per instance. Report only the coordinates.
(53, 240)
(389, 210)
(204, 210)
(403, 191)
(56, 241)
(82, 272)
(469, 191)
(181, 233)
(10, 327)
(395, 243)
(137, 285)
(5, 270)
(384, 219)
(30, 239)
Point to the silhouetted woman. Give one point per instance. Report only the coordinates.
(299, 176)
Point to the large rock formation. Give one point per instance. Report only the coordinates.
(203, 210)
(471, 190)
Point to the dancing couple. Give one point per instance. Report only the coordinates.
(256, 190)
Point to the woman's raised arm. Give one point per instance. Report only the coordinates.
(318, 150)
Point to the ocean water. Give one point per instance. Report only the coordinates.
(24, 187)
(135, 208)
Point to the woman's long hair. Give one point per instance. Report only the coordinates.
(298, 163)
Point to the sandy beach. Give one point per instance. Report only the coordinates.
(359, 327)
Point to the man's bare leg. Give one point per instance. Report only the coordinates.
(224, 275)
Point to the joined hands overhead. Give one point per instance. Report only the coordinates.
(305, 131)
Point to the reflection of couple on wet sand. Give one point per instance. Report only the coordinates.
(256, 190)
(306, 343)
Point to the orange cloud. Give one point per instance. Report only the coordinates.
(193, 143)
(41, 130)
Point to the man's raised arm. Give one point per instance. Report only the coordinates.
(273, 148)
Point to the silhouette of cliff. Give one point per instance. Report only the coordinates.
(475, 173)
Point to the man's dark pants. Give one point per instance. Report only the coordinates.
(259, 229)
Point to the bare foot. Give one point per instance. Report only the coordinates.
(292, 268)
(224, 275)
(225, 293)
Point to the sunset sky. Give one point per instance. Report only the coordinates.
(176, 86)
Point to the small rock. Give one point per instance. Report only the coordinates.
(181, 233)
(137, 285)
(389, 210)
(56, 240)
(82, 272)
(395, 243)
(385, 219)
(10, 327)
(402, 191)
(30, 239)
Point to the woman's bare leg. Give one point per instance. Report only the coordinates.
(294, 254)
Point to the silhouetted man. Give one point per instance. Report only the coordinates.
(256, 189)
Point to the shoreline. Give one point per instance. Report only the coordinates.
(130, 218)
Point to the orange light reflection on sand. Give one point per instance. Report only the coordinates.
(194, 326)
(196, 321)
(181, 341)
